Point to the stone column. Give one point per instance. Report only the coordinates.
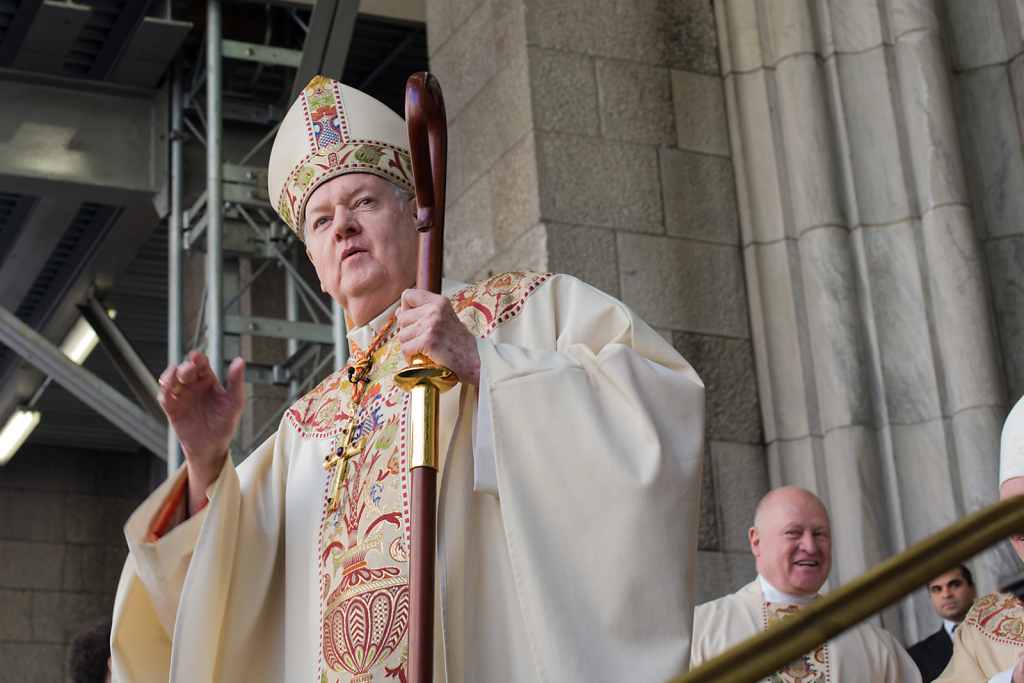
(972, 391)
(812, 365)
(877, 362)
(987, 56)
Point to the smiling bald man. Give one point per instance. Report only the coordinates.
(792, 541)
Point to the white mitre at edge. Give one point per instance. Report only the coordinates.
(1011, 445)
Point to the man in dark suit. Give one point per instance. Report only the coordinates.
(952, 595)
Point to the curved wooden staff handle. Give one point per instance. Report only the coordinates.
(428, 147)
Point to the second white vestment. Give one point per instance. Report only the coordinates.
(863, 654)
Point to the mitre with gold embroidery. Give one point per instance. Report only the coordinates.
(1011, 445)
(331, 130)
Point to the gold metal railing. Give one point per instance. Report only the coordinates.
(758, 657)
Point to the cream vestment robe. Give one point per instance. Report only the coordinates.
(863, 654)
(566, 541)
(988, 642)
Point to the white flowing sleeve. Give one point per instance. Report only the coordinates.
(171, 602)
(598, 436)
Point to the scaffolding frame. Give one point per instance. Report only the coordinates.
(238, 191)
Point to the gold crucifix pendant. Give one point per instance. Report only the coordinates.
(339, 460)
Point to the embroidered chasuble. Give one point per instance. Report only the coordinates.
(863, 654)
(988, 642)
(567, 516)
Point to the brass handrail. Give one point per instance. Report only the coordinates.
(760, 656)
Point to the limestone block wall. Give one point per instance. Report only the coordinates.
(591, 138)
(61, 550)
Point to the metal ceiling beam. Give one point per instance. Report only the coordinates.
(124, 356)
(412, 11)
(12, 225)
(54, 30)
(127, 22)
(264, 54)
(88, 388)
(17, 31)
(327, 43)
(50, 285)
(111, 141)
(394, 54)
(88, 230)
(150, 51)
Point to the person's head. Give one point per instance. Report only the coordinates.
(792, 541)
(335, 152)
(1011, 463)
(953, 593)
(361, 237)
(88, 659)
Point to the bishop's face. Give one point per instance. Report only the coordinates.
(363, 242)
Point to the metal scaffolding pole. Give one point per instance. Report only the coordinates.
(215, 188)
(291, 302)
(174, 292)
(340, 338)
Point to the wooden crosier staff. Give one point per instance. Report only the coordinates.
(425, 380)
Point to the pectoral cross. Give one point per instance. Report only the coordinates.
(348, 448)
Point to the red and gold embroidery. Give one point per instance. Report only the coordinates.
(482, 307)
(487, 304)
(1000, 616)
(364, 542)
(364, 549)
(812, 667)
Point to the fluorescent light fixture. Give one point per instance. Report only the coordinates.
(81, 340)
(14, 433)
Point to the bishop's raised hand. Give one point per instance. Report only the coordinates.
(204, 415)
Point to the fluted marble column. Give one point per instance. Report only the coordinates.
(876, 351)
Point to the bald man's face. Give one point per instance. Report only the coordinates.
(1010, 489)
(792, 541)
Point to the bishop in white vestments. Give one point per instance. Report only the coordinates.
(989, 644)
(791, 539)
(568, 485)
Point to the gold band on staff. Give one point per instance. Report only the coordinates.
(425, 382)
(757, 658)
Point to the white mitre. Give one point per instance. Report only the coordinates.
(330, 130)
(1011, 445)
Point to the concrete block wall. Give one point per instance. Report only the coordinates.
(591, 138)
(61, 550)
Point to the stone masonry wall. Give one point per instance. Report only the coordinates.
(61, 550)
(591, 138)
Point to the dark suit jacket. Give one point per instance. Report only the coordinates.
(932, 654)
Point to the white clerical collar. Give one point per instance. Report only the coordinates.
(772, 594)
(363, 336)
(949, 626)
